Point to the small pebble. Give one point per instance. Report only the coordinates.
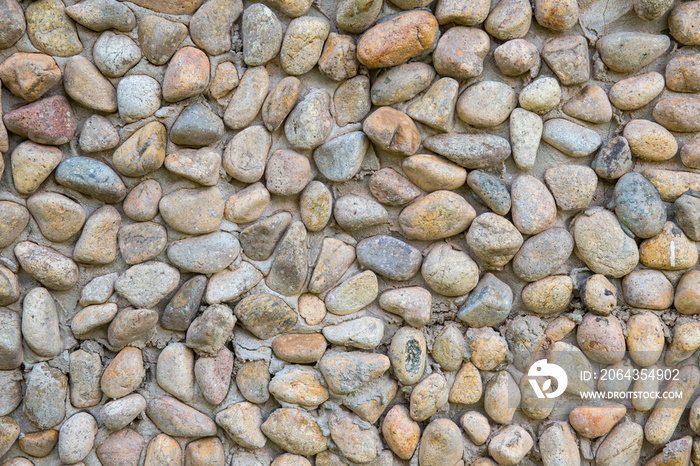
(411, 303)
(389, 257)
(614, 159)
(571, 139)
(449, 271)
(460, 52)
(489, 304)
(486, 104)
(400, 83)
(628, 51)
(494, 240)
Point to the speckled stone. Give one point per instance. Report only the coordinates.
(389, 257)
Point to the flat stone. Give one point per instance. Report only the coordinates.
(448, 271)
(614, 159)
(27, 75)
(210, 26)
(391, 188)
(455, 213)
(98, 135)
(123, 447)
(334, 259)
(242, 422)
(364, 333)
(85, 84)
(687, 210)
(138, 97)
(40, 323)
(259, 239)
(182, 210)
(280, 101)
(441, 441)
(542, 254)
(51, 30)
(400, 432)
(14, 219)
(338, 60)
(540, 96)
(302, 44)
(141, 205)
(470, 150)
(533, 206)
(354, 212)
(179, 420)
(389, 257)
(261, 32)
(346, 372)
(9, 287)
(628, 51)
(511, 444)
(248, 98)
(48, 121)
(97, 243)
(183, 307)
(249, 204)
(501, 397)
(45, 396)
(637, 91)
(310, 122)
(571, 139)
(672, 184)
(407, 353)
(76, 437)
(197, 126)
(681, 22)
(299, 385)
(572, 186)
(224, 81)
(389, 44)
(289, 267)
(213, 375)
(647, 289)
(549, 295)
(556, 15)
(245, 155)
(253, 378)
(159, 38)
(494, 240)
(299, 348)
(356, 443)
(353, 294)
(144, 285)
(591, 104)
(436, 107)
(341, 158)
(601, 338)
(486, 104)
(623, 445)
(120, 413)
(175, 371)
(204, 254)
(38, 444)
(91, 318)
(516, 57)
(265, 315)
(685, 300)
(100, 15)
(209, 332)
(401, 83)
(568, 57)
(525, 134)
(295, 431)
(54, 270)
(115, 54)
(10, 340)
(32, 164)
(638, 205)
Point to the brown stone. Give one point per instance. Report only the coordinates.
(280, 101)
(122, 448)
(123, 374)
(85, 84)
(392, 131)
(680, 114)
(29, 75)
(596, 421)
(163, 450)
(669, 250)
(39, 444)
(400, 432)
(187, 74)
(205, 452)
(299, 348)
(171, 7)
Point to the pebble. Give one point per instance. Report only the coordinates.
(182, 210)
(213, 375)
(501, 397)
(391, 188)
(45, 396)
(685, 300)
(672, 184)
(315, 206)
(123, 447)
(455, 214)
(287, 459)
(15, 218)
(401, 83)
(341, 158)
(491, 190)
(509, 19)
(556, 15)
(510, 445)
(115, 54)
(302, 44)
(32, 164)
(144, 285)
(338, 60)
(411, 303)
(50, 29)
(683, 344)
(357, 16)
(11, 396)
(540, 96)
(205, 254)
(476, 426)
(299, 348)
(291, 8)
(198, 126)
(85, 84)
(628, 51)
(242, 422)
(650, 10)
(130, 325)
(9, 287)
(225, 79)
(141, 204)
(690, 153)
(493, 239)
(179, 420)
(248, 98)
(570, 138)
(516, 57)
(389, 43)
(248, 204)
(681, 23)
(488, 349)
(460, 52)
(436, 107)
(525, 134)
(259, 240)
(163, 449)
(76, 438)
(558, 445)
(175, 371)
(596, 421)
(677, 114)
(486, 104)
(39, 444)
(159, 38)
(351, 101)
(549, 295)
(599, 294)
(614, 159)
(591, 104)
(201, 166)
(287, 173)
(298, 385)
(280, 101)
(455, 12)
(48, 121)
(448, 348)
(13, 24)
(310, 122)
(40, 323)
(573, 186)
(208, 333)
(245, 155)
(533, 207)
(389, 257)
(663, 420)
(441, 443)
(207, 451)
(210, 26)
(645, 338)
(187, 74)
(28, 75)
(98, 135)
(334, 259)
(637, 91)
(138, 97)
(354, 212)
(357, 443)
(85, 372)
(638, 205)
(433, 173)
(392, 131)
(407, 353)
(668, 250)
(601, 338)
(10, 340)
(51, 268)
(687, 209)
(449, 271)
(400, 432)
(98, 241)
(120, 413)
(9, 433)
(265, 315)
(622, 446)
(681, 75)
(261, 33)
(100, 15)
(295, 431)
(568, 57)
(542, 255)
(363, 333)
(650, 141)
(91, 318)
(470, 150)
(489, 303)
(352, 294)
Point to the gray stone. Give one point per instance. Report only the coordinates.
(614, 159)
(470, 150)
(211, 330)
(175, 371)
(289, 267)
(262, 35)
(310, 123)
(141, 242)
(688, 214)
(144, 285)
(85, 371)
(572, 139)
(341, 158)
(408, 353)
(491, 189)
(76, 437)
(12, 23)
(259, 240)
(130, 325)
(183, 210)
(229, 285)
(265, 315)
(184, 305)
(245, 155)
(541, 255)
(138, 97)
(568, 57)
(100, 15)
(401, 83)
(629, 51)
(120, 413)
(45, 396)
(204, 254)
(357, 15)
(210, 26)
(91, 177)
(346, 372)
(115, 54)
(248, 98)
(302, 44)
(389, 257)
(160, 38)
(40, 324)
(525, 134)
(197, 126)
(98, 135)
(488, 304)
(638, 205)
(10, 339)
(54, 270)
(354, 212)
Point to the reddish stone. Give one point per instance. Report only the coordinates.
(48, 121)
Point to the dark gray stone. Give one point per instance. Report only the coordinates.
(91, 177)
(389, 257)
(638, 205)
